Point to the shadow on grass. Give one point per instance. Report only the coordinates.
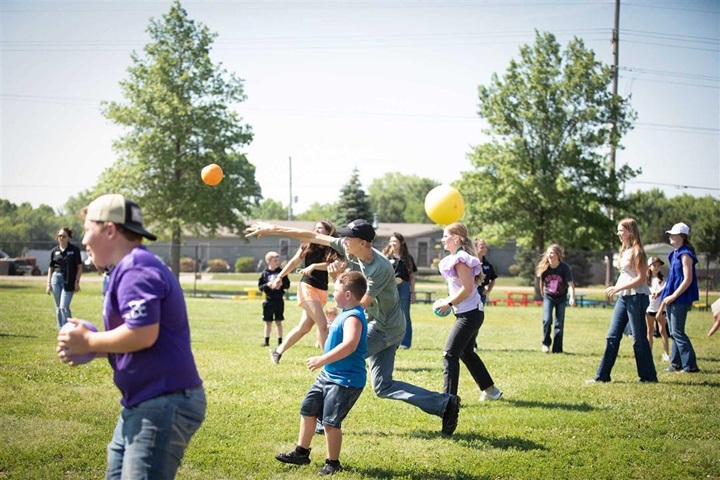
(482, 349)
(18, 287)
(414, 475)
(468, 440)
(570, 407)
(14, 335)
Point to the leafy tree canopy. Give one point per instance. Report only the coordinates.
(544, 175)
(269, 209)
(398, 198)
(178, 117)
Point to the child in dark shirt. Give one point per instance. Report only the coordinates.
(274, 304)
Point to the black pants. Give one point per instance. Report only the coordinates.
(460, 346)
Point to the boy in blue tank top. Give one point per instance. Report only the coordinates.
(341, 381)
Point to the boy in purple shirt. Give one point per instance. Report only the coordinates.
(146, 340)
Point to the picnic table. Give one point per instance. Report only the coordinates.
(423, 296)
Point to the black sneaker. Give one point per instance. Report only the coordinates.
(294, 457)
(450, 417)
(275, 356)
(329, 468)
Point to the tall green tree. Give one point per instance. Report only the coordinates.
(319, 211)
(354, 202)
(24, 227)
(398, 198)
(178, 117)
(544, 176)
(649, 208)
(269, 209)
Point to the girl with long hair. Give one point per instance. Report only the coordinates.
(632, 301)
(463, 272)
(656, 282)
(397, 252)
(556, 281)
(312, 291)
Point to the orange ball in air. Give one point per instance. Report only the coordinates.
(212, 174)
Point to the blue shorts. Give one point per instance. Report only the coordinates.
(329, 401)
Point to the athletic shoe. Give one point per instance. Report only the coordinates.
(545, 349)
(329, 468)
(673, 368)
(275, 356)
(665, 357)
(690, 370)
(319, 427)
(294, 457)
(494, 394)
(593, 381)
(450, 417)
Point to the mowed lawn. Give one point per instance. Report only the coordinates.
(55, 421)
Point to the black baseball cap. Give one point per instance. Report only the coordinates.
(358, 229)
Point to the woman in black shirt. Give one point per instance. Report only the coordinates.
(64, 274)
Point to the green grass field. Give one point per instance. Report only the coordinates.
(55, 421)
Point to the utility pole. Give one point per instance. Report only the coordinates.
(290, 200)
(613, 133)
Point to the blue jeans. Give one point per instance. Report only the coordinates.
(404, 294)
(558, 304)
(682, 354)
(62, 298)
(460, 346)
(151, 437)
(381, 362)
(630, 308)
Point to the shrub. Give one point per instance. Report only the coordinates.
(245, 265)
(187, 264)
(218, 265)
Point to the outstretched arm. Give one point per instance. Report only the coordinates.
(259, 229)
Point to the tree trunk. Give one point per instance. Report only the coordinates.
(539, 250)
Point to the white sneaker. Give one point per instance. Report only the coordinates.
(665, 357)
(545, 349)
(493, 394)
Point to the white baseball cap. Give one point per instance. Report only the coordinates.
(679, 228)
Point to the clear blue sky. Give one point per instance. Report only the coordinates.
(382, 85)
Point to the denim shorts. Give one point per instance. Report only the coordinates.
(329, 401)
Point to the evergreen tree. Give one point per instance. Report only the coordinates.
(353, 202)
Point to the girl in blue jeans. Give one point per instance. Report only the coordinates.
(556, 281)
(680, 291)
(633, 299)
(404, 265)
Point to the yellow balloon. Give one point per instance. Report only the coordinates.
(444, 205)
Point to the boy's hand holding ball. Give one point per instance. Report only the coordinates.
(72, 345)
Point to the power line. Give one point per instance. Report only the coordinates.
(683, 187)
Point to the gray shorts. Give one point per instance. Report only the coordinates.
(329, 401)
